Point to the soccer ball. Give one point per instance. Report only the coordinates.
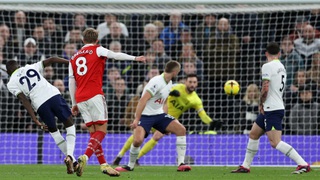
(231, 88)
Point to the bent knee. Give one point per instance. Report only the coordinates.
(181, 131)
(137, 143)
(68, 123)
(254, 136)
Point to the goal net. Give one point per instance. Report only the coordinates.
(218, 42)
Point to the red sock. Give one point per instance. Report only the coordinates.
(94, 142)
(100, 155)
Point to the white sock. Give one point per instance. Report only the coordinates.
(252, 149)
(134, 152)
(181, 147)
(60, 141)
(289, 151)
(71, 141)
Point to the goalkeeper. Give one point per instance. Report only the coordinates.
(181, 98)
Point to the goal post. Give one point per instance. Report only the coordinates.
(157, 2)
(217, 52)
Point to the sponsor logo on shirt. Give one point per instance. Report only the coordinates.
(159, 101)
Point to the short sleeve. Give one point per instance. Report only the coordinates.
(38, 66)
(266, 72)
(101, 51)
(13, 88)
(152, 87)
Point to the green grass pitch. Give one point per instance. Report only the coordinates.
(48, 172)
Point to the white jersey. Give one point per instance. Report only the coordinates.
(159, 89)
(29, 81)
(275, 72)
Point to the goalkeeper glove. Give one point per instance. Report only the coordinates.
(174, 93)
(215, 125)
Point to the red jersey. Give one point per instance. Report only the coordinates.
(88, 69)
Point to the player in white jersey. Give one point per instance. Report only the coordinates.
(28, 83)
(150, 113)
(271, 109)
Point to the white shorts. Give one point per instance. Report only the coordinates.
(94, 110)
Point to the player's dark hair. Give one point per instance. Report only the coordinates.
(90, 35)
(191, 76)
(171, 65)
(11, 65)
(273, 48)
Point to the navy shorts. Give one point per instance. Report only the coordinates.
(271, 120)
(56, 106)
(160, 122)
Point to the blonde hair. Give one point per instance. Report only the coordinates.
(255, 88)
(90, 35)
(171, 66)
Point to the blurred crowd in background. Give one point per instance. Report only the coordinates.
(216, 47)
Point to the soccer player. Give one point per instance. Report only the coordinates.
(150, 114)
(28, 83)
(181, 98)
(271, 108)
(85, 83)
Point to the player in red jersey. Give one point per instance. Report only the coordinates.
(85, 83)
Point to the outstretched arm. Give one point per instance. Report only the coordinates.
(49, 61)
(101, 51)
(26, 103)
(204, 117)
(201, 112)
